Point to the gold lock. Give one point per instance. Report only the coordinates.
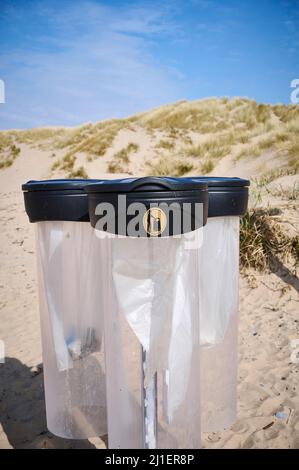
(154, 221)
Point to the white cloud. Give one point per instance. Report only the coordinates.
(90, 62)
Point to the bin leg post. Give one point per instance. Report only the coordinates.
(150, 407)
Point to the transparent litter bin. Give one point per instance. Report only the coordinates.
(219, 262)
(149, 234)
(70, 294)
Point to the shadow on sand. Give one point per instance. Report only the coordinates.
(22, 409)
(278, 268)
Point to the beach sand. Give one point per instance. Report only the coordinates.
(268, 398)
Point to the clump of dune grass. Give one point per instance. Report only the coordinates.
(282, 141)
(96, 145)
(132, 147)
(165, 144)
(121, 159)
(124, 154)
(179, 116)
(67, 165)
(251, 114)
(93, 140)
(8, 150)
(256, 149)
(206, 167)
(242, 138)
(168, 167)
(78, 173)
(74, 136)
(253, 150)
(286, 113)
(216, 115)
(175, 133)
(5, 141)
(181, 168)
(56, 165)
(115, 167)
(85, 135)
(213, 149)
(14, 150)
(186, 139)
(292, 149)
(201, 115)
(262, 242)
(37, 134)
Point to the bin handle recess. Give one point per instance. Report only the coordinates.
(148, 181)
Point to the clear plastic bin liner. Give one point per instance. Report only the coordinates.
(219, 283)
(219, 381)
(219, 322)
(72, 328)
(152, 324)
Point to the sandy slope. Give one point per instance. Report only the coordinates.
(269, 320)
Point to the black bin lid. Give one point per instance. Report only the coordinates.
(147, 184)
(152, 192)
(57, 199)
(228, 196)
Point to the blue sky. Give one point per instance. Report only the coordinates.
(68, 62)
